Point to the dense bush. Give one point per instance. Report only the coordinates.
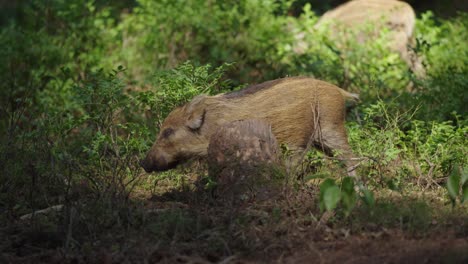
(162, 34)
(443, 93)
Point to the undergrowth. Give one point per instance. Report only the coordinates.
(85, 87)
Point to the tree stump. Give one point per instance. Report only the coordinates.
(243, 158)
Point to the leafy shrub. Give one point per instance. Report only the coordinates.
(80, 29)
(441, 43)
(408, 149)
(162, 34)
(172, 88)
(457, 185)
(24, 70)
(409, 153)
(111, 141)
(370, 68)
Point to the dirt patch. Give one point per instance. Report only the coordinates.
(184, 226)
(390, 248)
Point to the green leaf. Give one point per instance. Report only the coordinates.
(331, 197)
(349, 196)
(391, 185)
(348, 185)
(326, 184)
(453, 184)
(464, 176)
(349, 202)
(464, 197)
(368, 197)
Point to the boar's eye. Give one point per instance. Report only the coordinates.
(167, 132)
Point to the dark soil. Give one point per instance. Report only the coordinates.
(180, 229)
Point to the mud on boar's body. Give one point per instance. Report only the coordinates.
(243, 157)
(301, 111)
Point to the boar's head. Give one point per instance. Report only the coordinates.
(182, 136)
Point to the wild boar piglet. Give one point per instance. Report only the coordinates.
(302, 111)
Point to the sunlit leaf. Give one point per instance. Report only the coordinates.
(349, 196)
(464, 176)
(328, 183)
(453, 184)
(368, 197)
(331, 197)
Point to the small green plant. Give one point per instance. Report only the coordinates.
(111, 140)
(445, 57)
(331, 194)
(457, 185)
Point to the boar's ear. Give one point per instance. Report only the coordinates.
(196, 113)
(196, 119)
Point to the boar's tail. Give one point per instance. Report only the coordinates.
(349, 96)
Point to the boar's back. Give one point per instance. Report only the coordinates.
(258, 87)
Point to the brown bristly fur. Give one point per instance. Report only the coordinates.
(294, 107)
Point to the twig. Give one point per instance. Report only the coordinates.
(55, 208)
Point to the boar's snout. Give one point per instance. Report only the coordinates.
(146, 165)
(156, 162)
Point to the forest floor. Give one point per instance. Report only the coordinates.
(186, 226)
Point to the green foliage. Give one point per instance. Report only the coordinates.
(173, 88)
(408, 152)
(349, 196)
(439, 145)
(457, 185)
(162, 34)
(74, 124)
(113, 141)
(368, 197)
(442, 44)
(25, 63)
(331, 194)
(407, 149)
(370, 68)
(406, 214)
(80, 30)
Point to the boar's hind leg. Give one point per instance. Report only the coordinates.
(335, 140)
